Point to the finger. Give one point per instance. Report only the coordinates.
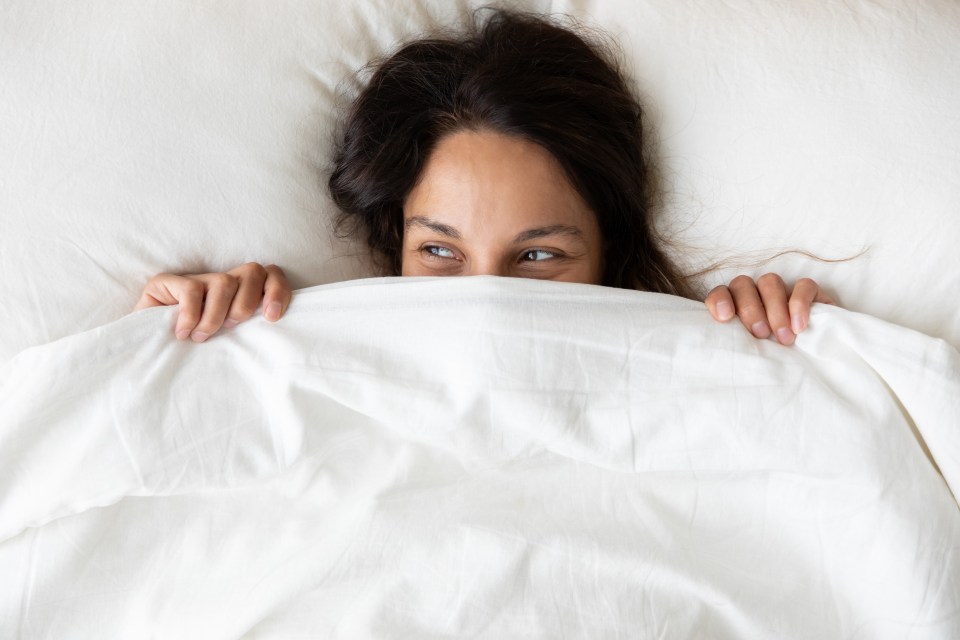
(189, 293)
(146, 301)
(749, 307)
(220, 290)
(156, 293)
(276, 293)
(773, 293)
(251, 277)
(824, 297)
(804, 294)
(168, 289)
(720, 303)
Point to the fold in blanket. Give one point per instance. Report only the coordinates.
(482, 457)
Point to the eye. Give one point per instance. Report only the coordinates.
(441, 253)
(537, 255)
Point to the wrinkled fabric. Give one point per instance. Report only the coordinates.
(481, 457)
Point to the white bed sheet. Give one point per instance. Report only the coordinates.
(482, 457)
(490, 458)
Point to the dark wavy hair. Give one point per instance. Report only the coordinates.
(519, 75)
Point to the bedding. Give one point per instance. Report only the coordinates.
(194, 135)
(476, 458)
(481, 457)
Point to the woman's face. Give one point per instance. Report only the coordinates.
(490, 204)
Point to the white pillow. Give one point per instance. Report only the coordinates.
(823, 126)
(187, 136)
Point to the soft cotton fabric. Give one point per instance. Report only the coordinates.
(482, 457)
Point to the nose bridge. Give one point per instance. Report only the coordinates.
(486, 265)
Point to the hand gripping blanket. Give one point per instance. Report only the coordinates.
(481, 457)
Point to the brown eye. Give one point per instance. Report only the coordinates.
(537, 255)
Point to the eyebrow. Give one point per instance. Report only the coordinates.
(552, 230)
(433, 225)
(524, 236)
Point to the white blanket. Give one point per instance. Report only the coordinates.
(487, 458)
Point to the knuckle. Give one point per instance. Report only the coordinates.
(769, 280)
(224, 281)
(275, 271)
(717, 291)
(741, 281)
(751, 310)
(254, 269)
(242, 311)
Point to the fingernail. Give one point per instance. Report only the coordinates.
(273, 311)
(796, 323)
(784, 336)
(200, 336)
(760, 329)
(183, 334)
(230, 323)
(724, 311)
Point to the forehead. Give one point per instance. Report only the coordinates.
(484, 178)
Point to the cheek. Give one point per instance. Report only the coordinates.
(592, 272)
(596, 274)
(595, 260)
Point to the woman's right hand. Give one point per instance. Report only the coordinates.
(209, 301)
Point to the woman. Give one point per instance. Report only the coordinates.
(512, 150)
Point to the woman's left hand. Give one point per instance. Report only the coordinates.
(767, 306)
